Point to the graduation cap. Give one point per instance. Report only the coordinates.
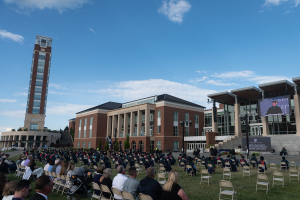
(261, 158)
(228, 156)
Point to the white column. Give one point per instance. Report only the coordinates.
(214, 124)
(265, 122)
(125, 124)
(119, 131)
(108, 128)
(139, 123)
(238, 126)
(114, 124)
(132, 123)
(297, 113)
(147, 122)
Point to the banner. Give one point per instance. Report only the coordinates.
(257, 144)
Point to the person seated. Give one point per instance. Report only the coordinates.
(240, 146)
(228, 163)
(253, 158)
(149, 186)
(97, 177)
(262, 162)
(286, 162)
(119, 180)
(222, 161)
(191, 163)
(106, 180)
(131, 185)
(172, 189)
(9, 190)
(32, 169)
(22, 189)
(243, 160)
(210, 169)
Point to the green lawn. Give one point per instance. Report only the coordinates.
(244, 186)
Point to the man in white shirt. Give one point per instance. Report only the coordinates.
(119, 180)
(47, 166)
(58, 168)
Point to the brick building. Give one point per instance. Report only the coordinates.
(150, 122)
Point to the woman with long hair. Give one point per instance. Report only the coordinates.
(9, 190)
(70, 168)
(64, 167)
(171, 189)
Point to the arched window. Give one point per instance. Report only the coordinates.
(133, 145)
(141, 146)
(120, 145)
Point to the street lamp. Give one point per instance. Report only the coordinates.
(184, 124)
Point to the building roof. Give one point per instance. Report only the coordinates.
(277, 87)
(247, 93)
(223, 97)
(297, 80)
(106, 106)
(72, 119)
(167, 97)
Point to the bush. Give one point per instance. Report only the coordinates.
(106, 147)
(13, 129)
(26, 129)
(100, 145)
(116, 145)
(20, 129)
(126, 143)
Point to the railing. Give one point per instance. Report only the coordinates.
(121, 135)
(134, 134)
(142, 134)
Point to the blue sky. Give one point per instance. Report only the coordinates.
(123, 50)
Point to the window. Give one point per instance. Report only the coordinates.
(39, 76)
(151, 145)
(36, 111)
(158, 114)
(186, 116)
(175, 144)
(42, 57)
(186, 131)
(83, 144)
(196, 119)
(38, 89)
(151, 117)
(91, 121)
(78, 144)
(84, 133)
(41, 63)
(143, 118)
(135, 118)
(33, 126)
(175, 116)
(196, 131)
(158, 144)
(39, 82)
(40, 69)
(85, 120)
(175, 130)
(37, 96)
(133, 145)
(79, 123)
(43, 43)
(89, 145)
(36, 103)
(90, 133)
(79, 133)
(158, 129)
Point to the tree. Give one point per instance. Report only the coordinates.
(66, 128)
(72, 132)
(13, 129)
(100, 145)
(116, 145)
(106, 146)
(26, 129)
(126, 143)
(20, 129)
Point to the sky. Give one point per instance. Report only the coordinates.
(123, 50)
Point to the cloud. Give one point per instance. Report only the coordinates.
(297, 2)
(92, 30)
(56, 86)
(65, 108)
(219, 83)
(63, 93)
(249, 76)
(21, 93)
(60, 5)
(13, 113)
(8, 35)
(3, 129)
(7, 100)
(202, 71)
(131, 90)
(234, 74)
(199, 79)
(287, 12)
(274, 2)
(175, 9)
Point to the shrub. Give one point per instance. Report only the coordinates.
(13, 129)
(26, 129)
(20, 129)
(100, 144)
(106, 147)
(126, 143)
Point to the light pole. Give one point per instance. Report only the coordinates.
(184, 124)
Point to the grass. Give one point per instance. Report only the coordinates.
(244, 186)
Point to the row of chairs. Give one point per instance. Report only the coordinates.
(61, 182)
(123, 194)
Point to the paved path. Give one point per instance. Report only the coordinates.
(14, 153)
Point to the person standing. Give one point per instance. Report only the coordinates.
(43, 187)
(131, 184)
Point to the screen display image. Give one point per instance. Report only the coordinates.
(257, 144)
(275, 106)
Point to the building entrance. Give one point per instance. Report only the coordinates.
(191, 146)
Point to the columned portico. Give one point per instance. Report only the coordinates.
(238, 127)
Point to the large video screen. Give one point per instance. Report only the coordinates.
(275, 106)
(257, 144)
